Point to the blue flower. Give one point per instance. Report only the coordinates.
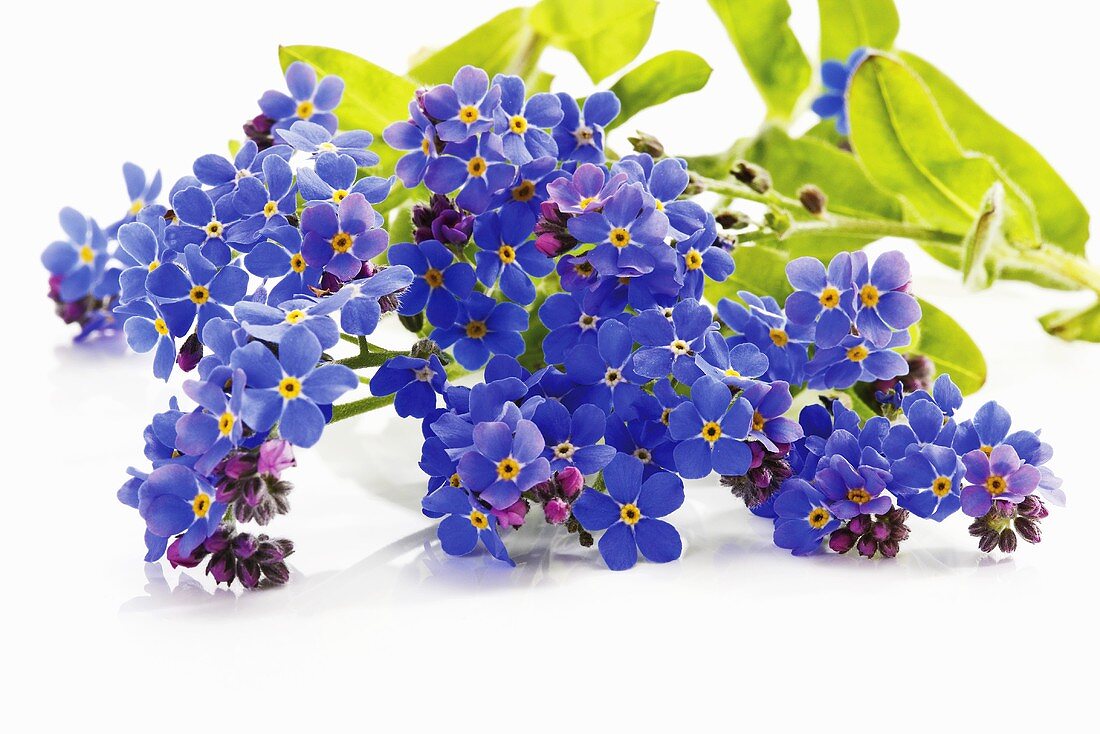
(146, 329)
(644, 439)
(441, 282)
(309, 137)
(202, 291)
(669, 339)
(630, 513)
(475, 167)
(174, 499)
(143, 241)
(926, 424)
(605, 373)
(81, 259)
(271, 323)
(522, 200)
(333, 177)
(465, 522)
(579, 135)
(223, 175)
(945, 394)
(210, 433)
(290, 389)
(769, 403)
(340, 239)
(883, 305)
(927, 481)
(464, 108)
(416, 382)
(587, 189)
(484, 327)
(308, 100)
(852, 478)
(200, 222)
(141, 191)
(802, 518)
(835, 75)
(666, 180)
(824, 298)
(738, 367)
(856, 360)
(764, 324)
(700, 256)
(659, 288)
(416, 135)
(263, 202)
(569, 324)
(711, 429)
(521, 121)
(280, 256)
(505, 254)
(360, 313)
(160, 438)
(220, 338)
(620, 232)
(504, 462)
(571, 438)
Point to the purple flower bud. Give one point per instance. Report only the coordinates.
(275, 456)
(1033, 507)
(177, 559)
(557, 511)
(277, 573)
(880, 531)
(867, 546)
(248, 572)
(1028, 529)
(1007, 541)
(244, 545)
(190, 353)
(860, 524)
(219, 540)
(258, 130)
(842, 540)
(512, 516)
(571, 481)
(888, 548)
(552, 232)
(222, 567)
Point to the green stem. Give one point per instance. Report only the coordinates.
(1072, 267)
(738, 190)
(837, 226)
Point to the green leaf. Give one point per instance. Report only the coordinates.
(940, 338)
(850, 24)
(986, 234)
(760, 269)
(825, 131)
(658, 80)
(1074, 324)
(905, 145)
(496, 46)
(604, 36)
(769, 49)
(1062, 217)
(373, 96)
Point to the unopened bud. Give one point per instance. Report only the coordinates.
(752, 175)
(813, 199)
(731, 219)
(571, 481)
(646, 143)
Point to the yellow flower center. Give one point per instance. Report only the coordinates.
(270, 208)
(779, 337)
(630, 513)
(868, 294)
(225, 423)
(619, 237)
(584, 268)
(679, 347)
(941, 486)
(433, 277)
(731, 372)
(586, 201)
(425, 146)
(693, 259)
(659, 205)
(297, 263)
(341, 242)
(290, 387)
(524, 191)
(137, 206)
(711, 431)
(478, 520)
(986, 449)
(858, 353)
(818, 518)
(564, 450)
(508, 468)
(476, 329)
(328, 147)
(87, 254)
(996, 484)
(455, 480)
(469, 114)
(201, 504)
(476, 166)
(200, 294)
(161, 327)
(665, 414)
(758, 421)
(293, 317)
(339, 195)
(859, 495)
(304, 110)
(518, 124)
(213, 229)
(507, 254)
(830, 297)
(154, 265)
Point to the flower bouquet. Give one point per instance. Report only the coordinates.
(587, 328)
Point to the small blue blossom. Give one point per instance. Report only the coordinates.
(569, 324)
(700, 257)
(211, 433)
(464, 108)
(81, 259)
(141, 191)
(761, 322)
(263, 203)
(200, 222)
(802, 518)
(605, 372)
(174, 499)
(522, 122)
(202, 290)
(711, 431)
(484, 327)
(360, 307)
(288, 390)
(271, 323)
(506, 255)
(835, 76)
(666, 180)
(334, 176)
(523, 199)
(280, 256)
(504, 462)
(738, 367)
(669, 339)
(579, 135)
(928, 482)
(571, 438)
(630, 514)
(852, 478)
(475, 167)
(587, 189)
(143, 241)
(415, 381)
(621, 232)
(416, 135)
(883, 305)
(824, 298)
(308, 99)
(309, 137)
(441, 282)
(146, 329)
(340, 239)
(223, 176)
(769, 426)
(465, 522)
(856, 360)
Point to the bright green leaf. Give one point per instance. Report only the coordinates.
(604, 36)
(986, 234)
(1062, 217)
(905, 145)
(496, 46)
(658, 80)
(1074, 324)
(850, 24)
(373, 96)
(940, 338)
(825, 131)
(769, 49)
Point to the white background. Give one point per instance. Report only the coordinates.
(377, 626)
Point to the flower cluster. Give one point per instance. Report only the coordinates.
(576, 288)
